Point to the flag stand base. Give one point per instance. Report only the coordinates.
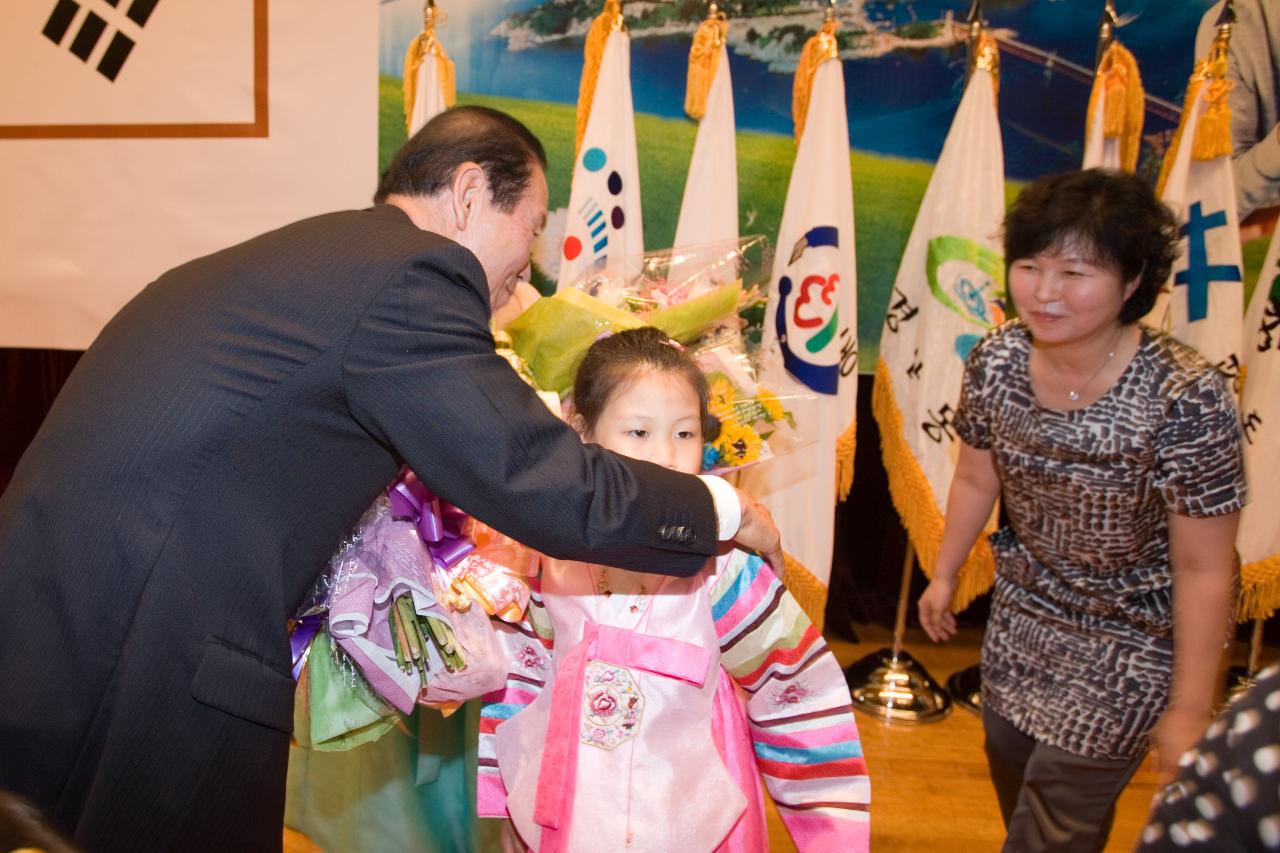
(896, 688)
(965, 687)
(1241, 678)
(890, 684)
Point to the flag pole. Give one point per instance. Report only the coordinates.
(892, 685)
(974, 20)
(1106, 31)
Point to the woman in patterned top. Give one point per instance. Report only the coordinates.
(1116, 452)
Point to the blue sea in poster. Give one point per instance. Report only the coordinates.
(900, 103)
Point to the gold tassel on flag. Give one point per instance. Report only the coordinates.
(1213, 134)
(1212, 137)
(986, 56)
(704, 57)
(1259, 589)
(426, 44)
(809, 592)
(1124, 109)
(914, 500)
(846, 444)
(817, 50)
(609, 21)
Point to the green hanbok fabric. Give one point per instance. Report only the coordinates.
(413, 789)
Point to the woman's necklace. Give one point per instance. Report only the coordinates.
(1073, 394)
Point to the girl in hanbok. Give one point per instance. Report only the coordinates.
(640, 711)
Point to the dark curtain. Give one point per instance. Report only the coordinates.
(30, 379)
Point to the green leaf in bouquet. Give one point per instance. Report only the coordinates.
(344, 710)
(689, 319)
(553, 334)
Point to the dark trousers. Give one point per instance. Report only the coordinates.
(1051, 800)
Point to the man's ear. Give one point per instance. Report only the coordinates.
(466, 190)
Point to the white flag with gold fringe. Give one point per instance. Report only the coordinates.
(430, 86)
(1203, 302)
(949, 292)
(1113, 122)
(709, 209)
(603, 224)
(1258, 540)
(810, 341)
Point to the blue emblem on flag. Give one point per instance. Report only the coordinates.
(1199, 273)
(808, 316)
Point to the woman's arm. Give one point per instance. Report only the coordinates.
(1203, 562)
(974, 490)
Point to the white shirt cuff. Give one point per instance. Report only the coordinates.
(728, 506)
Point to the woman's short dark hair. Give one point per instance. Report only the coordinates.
(501, 145)
(614, 362)
(1112, 216)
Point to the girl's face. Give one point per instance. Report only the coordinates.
(653, 417)
(1062, 297)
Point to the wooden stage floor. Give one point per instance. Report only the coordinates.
(929, 785)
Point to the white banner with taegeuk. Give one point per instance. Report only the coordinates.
(137, 135)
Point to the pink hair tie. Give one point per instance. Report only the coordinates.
(600, 337)
(674, 344)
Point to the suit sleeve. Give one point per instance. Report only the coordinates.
(421, 376)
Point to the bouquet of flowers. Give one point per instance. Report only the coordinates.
(755, 423)
(401, 617)
(688, 293)
(709, 298)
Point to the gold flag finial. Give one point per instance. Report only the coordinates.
(980, 45)
(1106, 31)
(818, 49)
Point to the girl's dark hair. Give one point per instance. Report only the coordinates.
(502, 146)
(615, 361)
(1111, 215)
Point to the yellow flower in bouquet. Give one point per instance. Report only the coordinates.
(772, 406)
(722, 396)
(738, 444)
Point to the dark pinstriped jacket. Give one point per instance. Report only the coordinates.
(207, 454)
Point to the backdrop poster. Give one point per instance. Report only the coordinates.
(904, 75)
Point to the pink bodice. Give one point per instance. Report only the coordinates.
(638, 769)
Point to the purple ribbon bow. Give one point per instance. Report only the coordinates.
(439, 524)
(304, 631)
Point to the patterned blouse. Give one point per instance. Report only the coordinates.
(1078, 651)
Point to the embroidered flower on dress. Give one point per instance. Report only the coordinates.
(790, 695)
(604, 703)
(529, 658)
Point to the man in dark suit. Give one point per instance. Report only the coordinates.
(224, 432)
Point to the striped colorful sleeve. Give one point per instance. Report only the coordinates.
(805, 738)
(528, 647)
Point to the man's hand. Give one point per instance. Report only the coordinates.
(758, 533)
